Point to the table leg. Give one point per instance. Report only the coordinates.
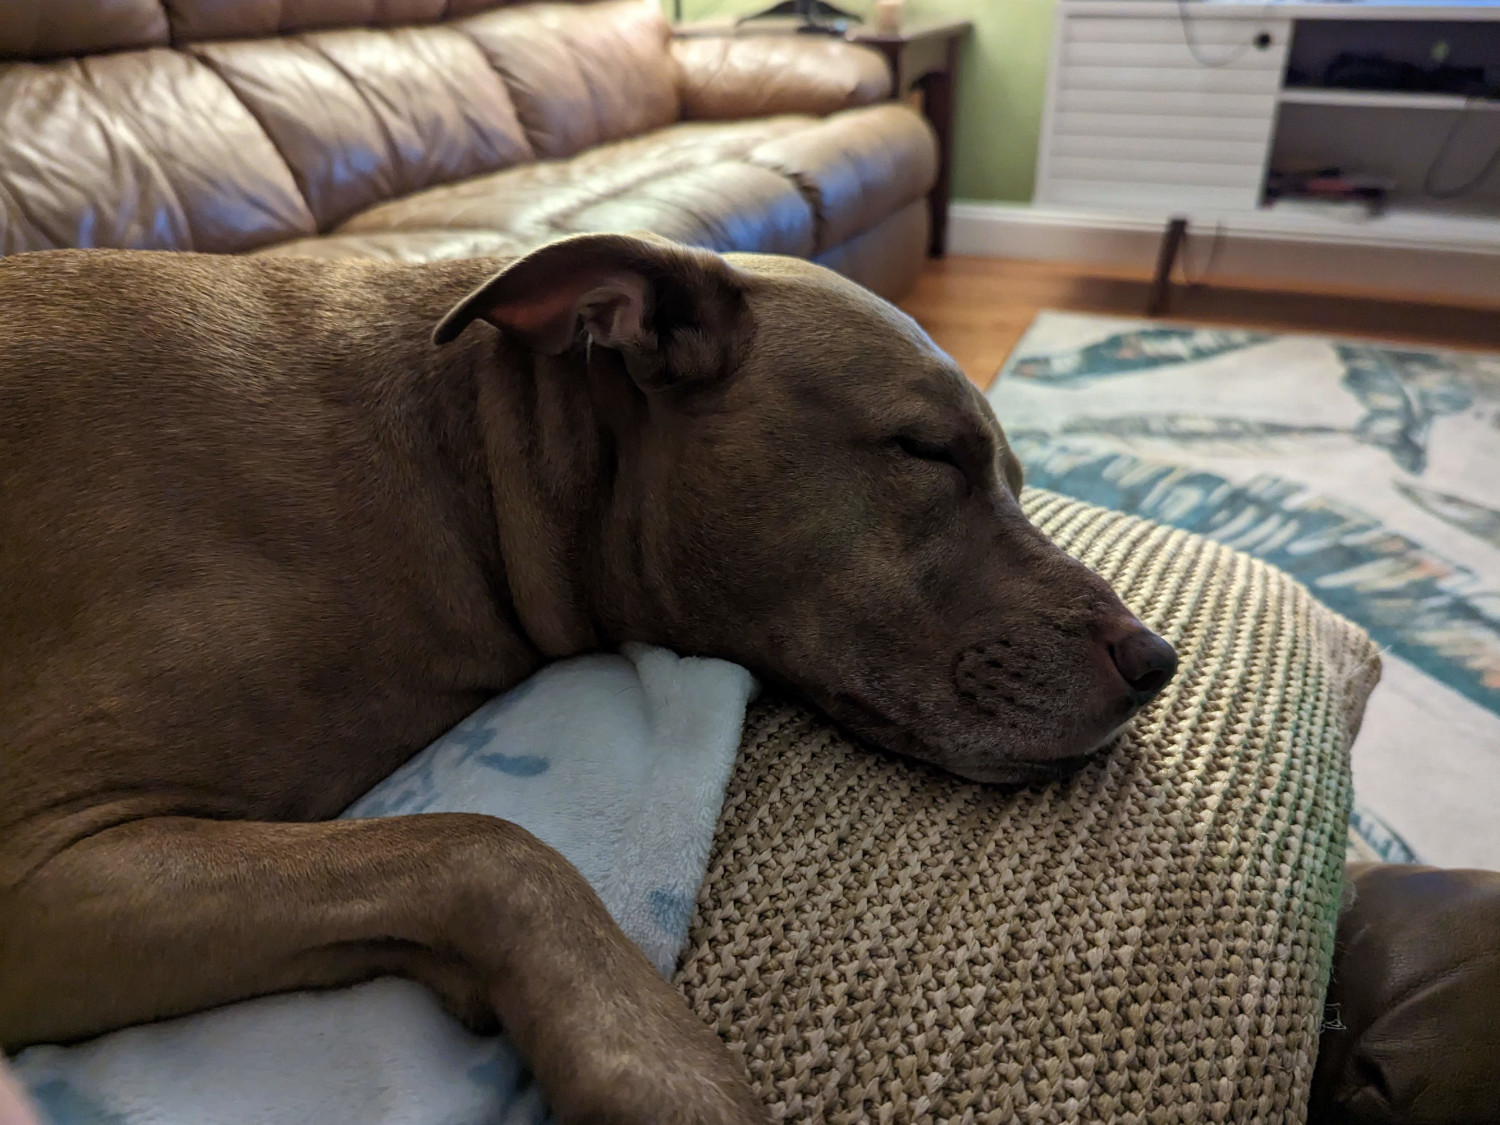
(1166, 258)
(938, 108)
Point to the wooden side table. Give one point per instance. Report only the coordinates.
(924, 57)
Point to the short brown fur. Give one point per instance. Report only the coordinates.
(261, 540)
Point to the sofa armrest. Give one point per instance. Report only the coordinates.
(758, 76)
(1413, 1034)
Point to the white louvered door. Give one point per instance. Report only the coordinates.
(1139, 117)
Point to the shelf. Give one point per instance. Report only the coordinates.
(1384, 99)
(1406, 224)
(1426, 10)
(1415, 224)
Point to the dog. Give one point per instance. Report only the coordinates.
(269, 526)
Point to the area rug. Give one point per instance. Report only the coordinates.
(1369, 472)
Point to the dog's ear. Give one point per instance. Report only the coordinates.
(675, 314)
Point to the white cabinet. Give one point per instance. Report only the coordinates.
(1149, 110)
(1180, 108)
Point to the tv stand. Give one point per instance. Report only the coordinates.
(1160, 111)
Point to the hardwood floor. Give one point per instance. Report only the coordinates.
(977, 308)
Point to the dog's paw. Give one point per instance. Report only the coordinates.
(673, 1095)
(673, 1071)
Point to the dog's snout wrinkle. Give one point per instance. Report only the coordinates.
(990, 677)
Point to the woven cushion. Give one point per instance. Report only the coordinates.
(1149, 941)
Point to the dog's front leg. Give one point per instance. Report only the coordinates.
(165, 916)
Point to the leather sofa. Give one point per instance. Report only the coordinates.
(1411, 1032)
(422, 129)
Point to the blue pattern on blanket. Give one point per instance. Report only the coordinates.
(58, 1100)
(618, 762)
(510, 1086)
(416, 788)
(671, 908)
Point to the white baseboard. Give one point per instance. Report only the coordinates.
(1252, 249)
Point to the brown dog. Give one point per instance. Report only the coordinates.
(261, 540)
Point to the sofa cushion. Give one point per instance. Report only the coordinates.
(1414, 1039)
(37, 29)
(722, 205)
(407, 245)
(783, 185)
(364, 116)
(1149, 941)
(194, 20)
(856, 167)
(532, 195)
(888, 258)
(684, 182)
(729, 77)
(582, 75)
(143, 149)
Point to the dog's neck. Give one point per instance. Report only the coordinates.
(549, 458)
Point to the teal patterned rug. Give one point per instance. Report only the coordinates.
(1371, 473)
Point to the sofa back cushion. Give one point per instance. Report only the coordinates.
(147, 149)
(225, 125)
(363, 116)
(582, 75)
(40, 29)
(197, 20)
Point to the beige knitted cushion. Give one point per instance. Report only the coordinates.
(1148, 942)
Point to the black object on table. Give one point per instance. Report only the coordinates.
(815, 16)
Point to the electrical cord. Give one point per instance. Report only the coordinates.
(1260, 42)
(1429, 181)
(1193, 47)
(1214, 247)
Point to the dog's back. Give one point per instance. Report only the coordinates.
(229, 464)
(259, 540)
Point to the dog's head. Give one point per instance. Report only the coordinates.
(796, 478)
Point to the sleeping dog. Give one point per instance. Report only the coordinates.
(269, 526)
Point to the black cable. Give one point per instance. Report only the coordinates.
(1428, 185)
(1213, 256)
(1215, 64)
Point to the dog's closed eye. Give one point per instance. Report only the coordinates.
(931, 452)
(925, 450)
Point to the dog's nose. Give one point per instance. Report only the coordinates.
(1146, 662)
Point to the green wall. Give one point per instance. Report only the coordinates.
(1002, 85)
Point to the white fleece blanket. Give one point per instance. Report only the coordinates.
(619, 762)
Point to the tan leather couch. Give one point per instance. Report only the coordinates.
(440, 128)
(1411, 1032)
